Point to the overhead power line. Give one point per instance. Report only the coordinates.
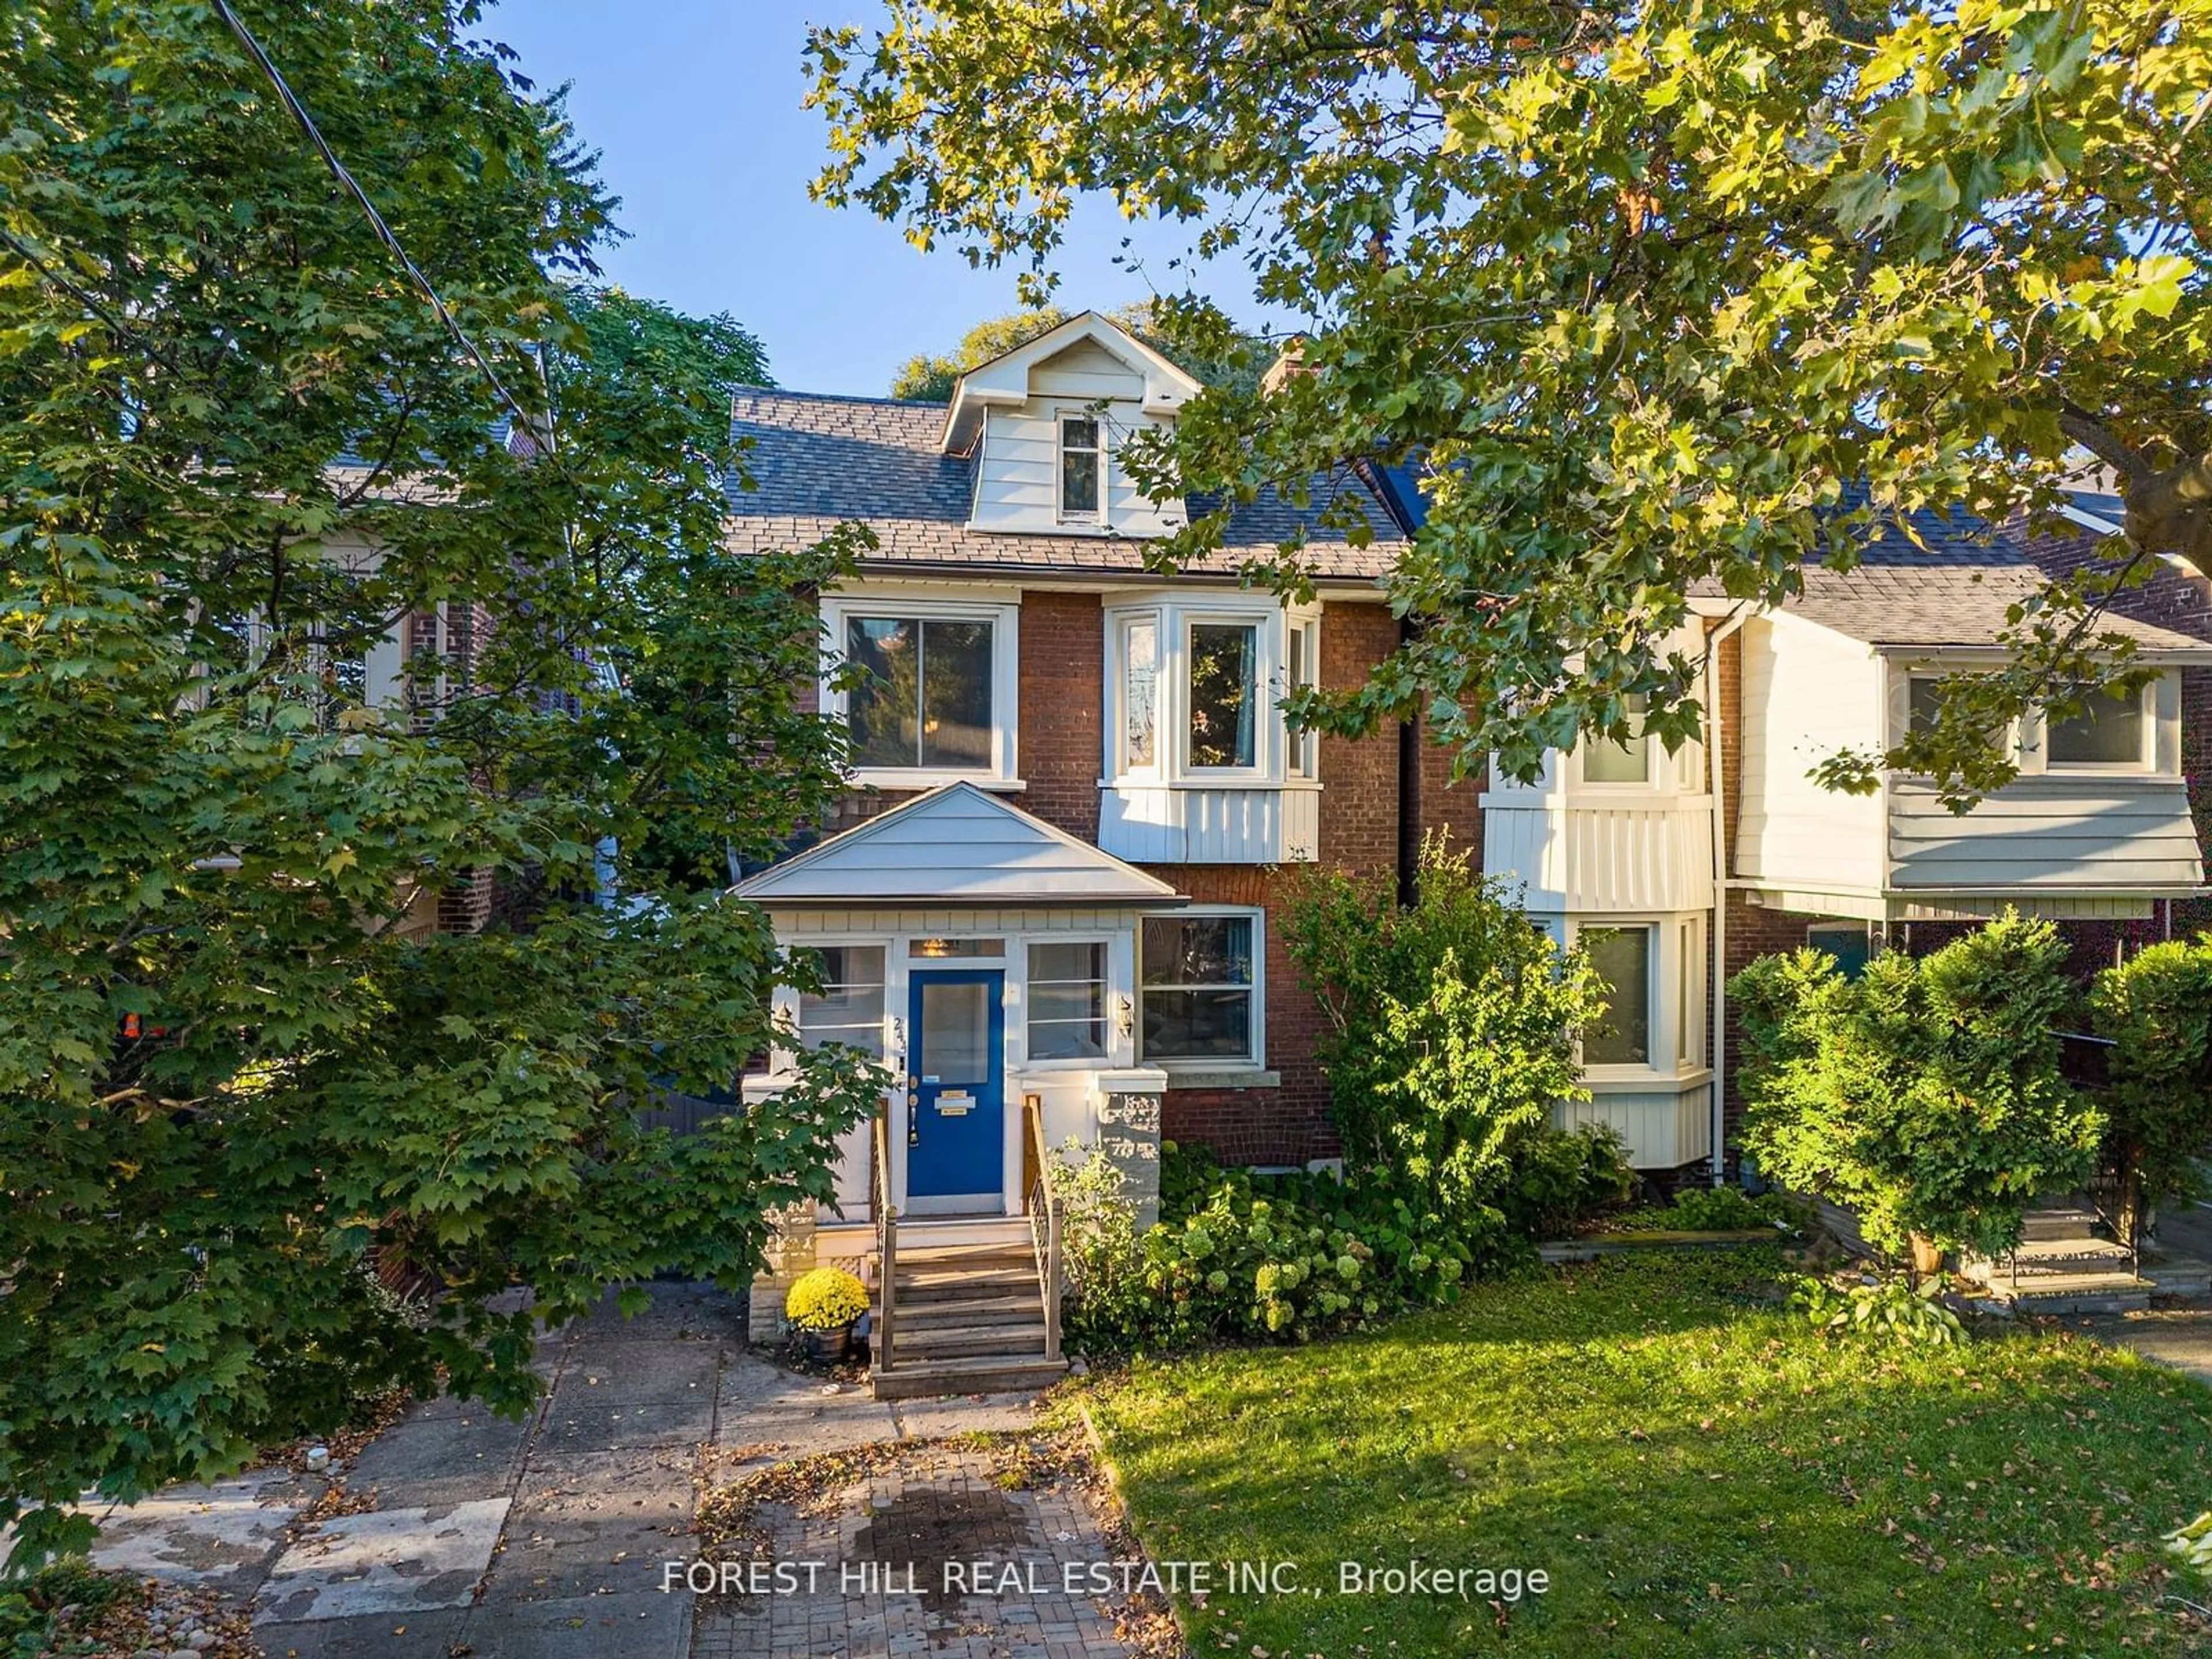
(346, 180)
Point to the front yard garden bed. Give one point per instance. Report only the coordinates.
(1696, 1470)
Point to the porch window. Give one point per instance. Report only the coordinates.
(1605, 761)
(1223, 694)
(1621, 1033)
(1068, 1001)
(925, 695)
(1200, 982)
(2108, 732)
(849, 1008)
(1082, 467)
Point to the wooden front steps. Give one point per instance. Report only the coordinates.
(966, 1318)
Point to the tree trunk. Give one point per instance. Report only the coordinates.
(1927, 1256)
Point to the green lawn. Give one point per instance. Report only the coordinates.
(1697, 1470)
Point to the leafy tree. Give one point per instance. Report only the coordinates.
(1925, 1095)
(2157, 1009)
(1234, 361)
(1647, 290)
(1452, 1024)
(239, 450)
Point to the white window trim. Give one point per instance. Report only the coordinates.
(1118, 624)
(1670, 933)
(2146, 762)
(1005, 619)
(1109, 988)
(1300, 750)
(1268, 655)
(1174, 616)
(1586, 746)
(1096, 517)
(2018, 749)
(783, 1060)
(1183, 1065)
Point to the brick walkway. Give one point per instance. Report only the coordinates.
(932, 1556)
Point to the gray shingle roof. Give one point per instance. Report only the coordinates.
(819, 461)
(1956, 586)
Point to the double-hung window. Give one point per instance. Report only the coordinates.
(928, 687)
(1199, 987)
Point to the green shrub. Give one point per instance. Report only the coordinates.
(1925, 1095)
(1714, 1210)
(1451, 1024)
(1891, 1309)
(29, 1629)
(1239, 1257)
(1563, 1178)
(2157, 1010)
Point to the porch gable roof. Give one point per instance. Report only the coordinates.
(956, 845)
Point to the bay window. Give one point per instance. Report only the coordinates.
(1197, 687)
(1199, 987)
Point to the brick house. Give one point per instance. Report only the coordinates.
(1054, 893)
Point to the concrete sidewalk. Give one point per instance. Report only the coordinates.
(538, 1540)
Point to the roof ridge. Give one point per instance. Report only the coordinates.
(834, 397)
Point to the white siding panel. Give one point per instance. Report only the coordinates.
(1604, 858)
(1527, 847)
(2057, 832)
(1665, 1127)
(957, 844)
(1086, 369)
(1806, 693)
(1156, 825)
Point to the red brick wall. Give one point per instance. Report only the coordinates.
(1359, 777)
(1062, 717)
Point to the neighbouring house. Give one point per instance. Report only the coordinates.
(1049, 903)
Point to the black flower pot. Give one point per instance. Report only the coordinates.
(830, 1347)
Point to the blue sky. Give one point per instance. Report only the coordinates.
(694, 105)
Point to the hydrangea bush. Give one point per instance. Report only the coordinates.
(1237, 1256)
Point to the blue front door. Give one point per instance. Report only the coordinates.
(955, 1091)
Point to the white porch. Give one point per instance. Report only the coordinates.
(988, 961)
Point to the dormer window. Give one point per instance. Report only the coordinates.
(1082, 468)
